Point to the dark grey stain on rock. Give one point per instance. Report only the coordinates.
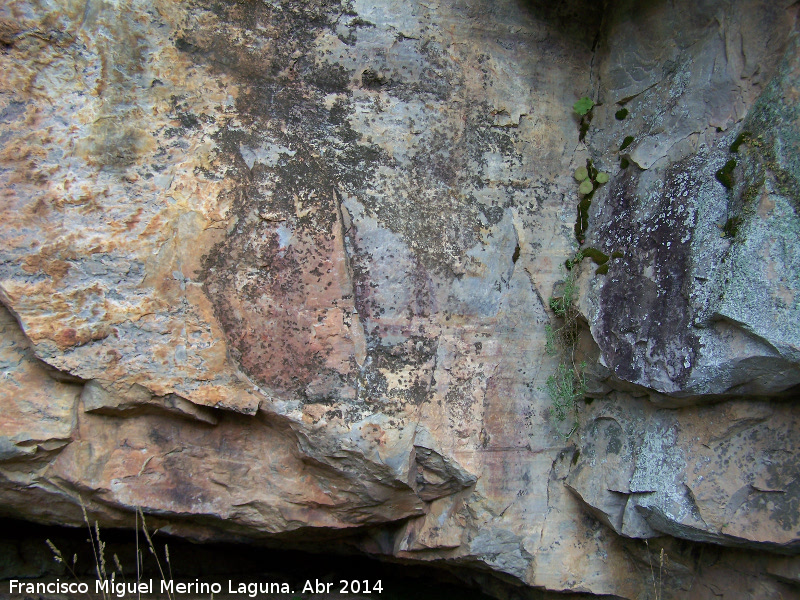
(644, 321)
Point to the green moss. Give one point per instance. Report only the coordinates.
(731, 227)
(725, 174)
(583, 107)
(621, 114)
(626, 142)
(624, 163)
(584, 129)
(617, 254)
(598, 257)
(582, 220)
(740, 139)
(602, 269)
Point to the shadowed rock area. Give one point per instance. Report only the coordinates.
(303, 274)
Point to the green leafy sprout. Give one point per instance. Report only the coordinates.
(588, 176)
(583, 106)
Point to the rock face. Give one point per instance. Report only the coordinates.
(279, 271)
(703, 300)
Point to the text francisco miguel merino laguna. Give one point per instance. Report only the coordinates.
(119, 589)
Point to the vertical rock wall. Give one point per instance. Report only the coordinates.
(280, 269)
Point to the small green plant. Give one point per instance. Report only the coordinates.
(566, 386)
(562, 305)
(568, 383)
(583, 106)
(590, 179)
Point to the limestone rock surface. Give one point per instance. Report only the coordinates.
(279, 271)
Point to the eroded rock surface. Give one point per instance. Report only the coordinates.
(723, 474)
(279, 271)
(703, 296)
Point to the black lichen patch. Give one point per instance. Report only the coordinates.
(350, 38)
(624, 163)
(372, 80)
(412, 360)
(431, 205)
(437, 80)
(621, 114)
(329, 79)
(493, 214)
(725, 174)
(626, 142)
